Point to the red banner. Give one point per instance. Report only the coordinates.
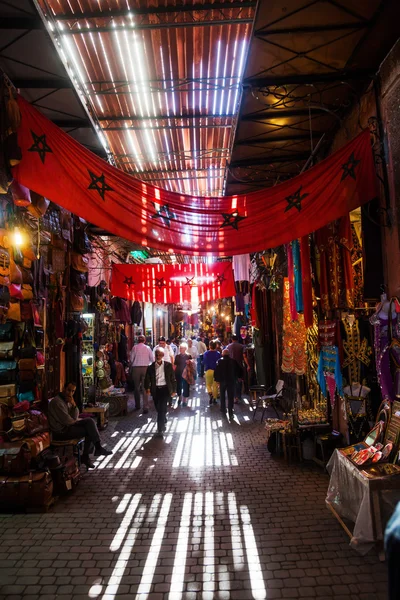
(173, 284)
(59, 168)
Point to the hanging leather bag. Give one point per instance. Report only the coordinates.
(6, 350)
(15, 460)
(14, 311)
(21, 194)
(6, 332)
(39, 205)
(76, 302)
(15, 272)
(79, 262)
(8, 371)
(77, 280)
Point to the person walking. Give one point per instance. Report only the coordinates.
(235, 349)
(210, 360)
(194, 353)
(226, 374)
(182, 386)
(201, 348)
(65, 424)
(168, 352)
(140, 358)
(160, 382)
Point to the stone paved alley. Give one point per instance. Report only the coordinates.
(205, 513)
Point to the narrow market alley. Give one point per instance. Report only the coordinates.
(205, 513)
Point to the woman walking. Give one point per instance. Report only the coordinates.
(182, 359)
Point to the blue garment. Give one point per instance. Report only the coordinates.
(298, 283)
(329, 363)
(210, 359)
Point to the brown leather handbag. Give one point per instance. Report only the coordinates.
(15, 272)
(76, 302)
(6, 350)
(21, 194)
(15, 460)
(31, 491)
(79, 262)
(39, 205)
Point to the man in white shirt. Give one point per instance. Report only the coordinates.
(140, 358)
(168, 352)
(201, 348)
(161, 383)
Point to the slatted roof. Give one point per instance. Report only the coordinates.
(163, 82)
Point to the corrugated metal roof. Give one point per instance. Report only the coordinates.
(163, 80)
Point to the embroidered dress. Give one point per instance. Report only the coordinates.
(294, 358)
(329, 374)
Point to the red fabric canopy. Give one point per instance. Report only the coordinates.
(56, 166)
(173, 284)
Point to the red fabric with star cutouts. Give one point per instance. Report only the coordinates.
(59, 168)
(173, 284)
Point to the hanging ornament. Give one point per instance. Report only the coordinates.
(273, 284)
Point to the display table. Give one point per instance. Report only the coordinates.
(118, 404)
(366, 502)
(100, 411)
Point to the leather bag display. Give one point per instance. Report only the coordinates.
(15, 273)
(6, 332)
(32, 491)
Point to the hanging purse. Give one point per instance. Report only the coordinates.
(14, 311)
(39, 205)
(4, 266)
(26, 311)
(21, 194)
(8, 371)
(7, 333)
(26, 262)
(29, 252)
(15, 273)
(28, 348)
(76, 302)
(79, 262)
(27, 364)
(27, 276)
(16, 292)
(77, 280)
(6, 350)
(27, 293)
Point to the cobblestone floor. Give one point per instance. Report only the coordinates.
(205, 513)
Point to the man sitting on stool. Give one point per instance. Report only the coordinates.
(161, 383)
(65, 424)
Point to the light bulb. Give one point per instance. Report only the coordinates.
(18, 237)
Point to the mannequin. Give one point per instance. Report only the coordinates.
(383, 308)
(356, 390)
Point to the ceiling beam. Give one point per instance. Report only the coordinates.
(158, 10)
(267, 160)
(311, 28)
(21, 23)
(42, 83)
(166, 25)
(281, 114)
(270, 139)
(164, 117)
(331, 77)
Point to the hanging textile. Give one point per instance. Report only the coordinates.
(173, 284)
(294, 358)
(292, 295)
(298, 287)
(329, 374)
(56, 166)
(241, 267)
(306, 281)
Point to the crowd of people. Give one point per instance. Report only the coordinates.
(168, 372)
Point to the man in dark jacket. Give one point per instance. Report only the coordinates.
(160, 382)
(226, 374)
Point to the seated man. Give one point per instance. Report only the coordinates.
(65, 424)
